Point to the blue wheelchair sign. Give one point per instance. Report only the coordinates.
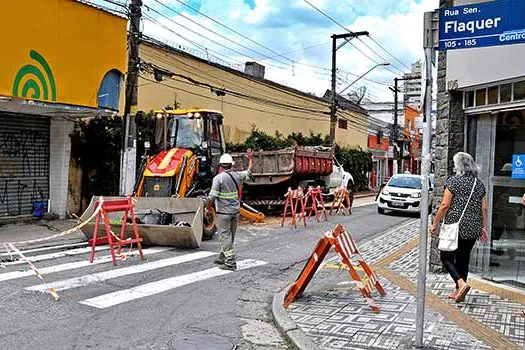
(518, 166)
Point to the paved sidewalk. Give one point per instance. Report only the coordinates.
(332, 314)
(40, 229)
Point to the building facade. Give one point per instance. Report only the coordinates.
(481, 110)
(256, 102)
(65, 62)
(412, 86)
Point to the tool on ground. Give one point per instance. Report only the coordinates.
(341, 202)
(111, 206)
(345, 247)
(294, 202)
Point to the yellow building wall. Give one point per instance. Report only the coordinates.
(240, 114)
(58, 50)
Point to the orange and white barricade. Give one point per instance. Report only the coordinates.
(295, 202)
(315, 197)
(110, 206)
(341, 202)
(346, 248)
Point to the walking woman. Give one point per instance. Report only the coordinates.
(465, 201)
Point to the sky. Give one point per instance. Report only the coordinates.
(292, 39)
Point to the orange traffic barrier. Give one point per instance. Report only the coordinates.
(345, 247)
(315, 197)
(294, 198)
(341, 202)
(111, 206)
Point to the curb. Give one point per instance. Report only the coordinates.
(288, 327)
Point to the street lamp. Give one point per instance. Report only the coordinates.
(368, 71)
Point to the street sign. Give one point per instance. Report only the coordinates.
(487, 24)
(518, 166)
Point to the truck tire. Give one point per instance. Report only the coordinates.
(350, 188)
(209, 224)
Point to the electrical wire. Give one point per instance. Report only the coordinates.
(265, 98)
(360, 40)
(203, 48)
(250, 39)
(192, 70)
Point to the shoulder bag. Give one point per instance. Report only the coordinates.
(449, 233)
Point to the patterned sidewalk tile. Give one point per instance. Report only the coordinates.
(339, 318)
(495, 312)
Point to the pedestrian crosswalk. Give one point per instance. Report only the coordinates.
(59, 262)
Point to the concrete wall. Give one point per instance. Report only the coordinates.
(60, 150)
(240, 114)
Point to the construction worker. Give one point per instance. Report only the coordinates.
(225, 192)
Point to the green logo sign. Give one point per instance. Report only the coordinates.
(35, 79)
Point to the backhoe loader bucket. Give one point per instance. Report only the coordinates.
(185, 231)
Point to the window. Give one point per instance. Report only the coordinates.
(481, 99)
(505, 93)
(519, 91)
(343, 124)
(469, 99)
(493, 95)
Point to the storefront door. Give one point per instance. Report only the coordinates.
(503, 259)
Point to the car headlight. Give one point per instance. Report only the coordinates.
(386, 192)
(416, 195)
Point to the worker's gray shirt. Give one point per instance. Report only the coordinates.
(224, 191)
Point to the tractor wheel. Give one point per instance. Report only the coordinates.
(209, 222)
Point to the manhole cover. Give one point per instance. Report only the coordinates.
(200, 342)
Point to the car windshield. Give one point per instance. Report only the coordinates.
(406, 182)
(183, 132)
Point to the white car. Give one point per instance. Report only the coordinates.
(402, 193)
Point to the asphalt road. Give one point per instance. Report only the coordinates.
(174, 305)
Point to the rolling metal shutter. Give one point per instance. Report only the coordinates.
(24, 163)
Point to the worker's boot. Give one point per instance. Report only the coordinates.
(228, 266)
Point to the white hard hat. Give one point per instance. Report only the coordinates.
(226, 159)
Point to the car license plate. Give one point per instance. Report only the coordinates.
(397, 204)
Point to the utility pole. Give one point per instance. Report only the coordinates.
(395, 133)
(333, 106)
(129, 153)
(430, 43)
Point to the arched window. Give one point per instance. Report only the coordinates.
(109, 91)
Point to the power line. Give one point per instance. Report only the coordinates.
(192, 70)
(277, 54)
(204, 49)
(348, 30)
(388, 52)
(218, 34)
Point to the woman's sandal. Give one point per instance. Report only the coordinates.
(453, 295)
(462, 292)
(521, 313)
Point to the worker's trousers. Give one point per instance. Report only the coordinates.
(227, 226)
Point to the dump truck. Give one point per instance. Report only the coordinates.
(275, 171)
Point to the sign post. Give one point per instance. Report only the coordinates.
(479, 25)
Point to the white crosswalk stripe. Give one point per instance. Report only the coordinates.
(55, 247)
(125, 271)
(74, 265)
(145, 290)
(68, 261)
(50, 256)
